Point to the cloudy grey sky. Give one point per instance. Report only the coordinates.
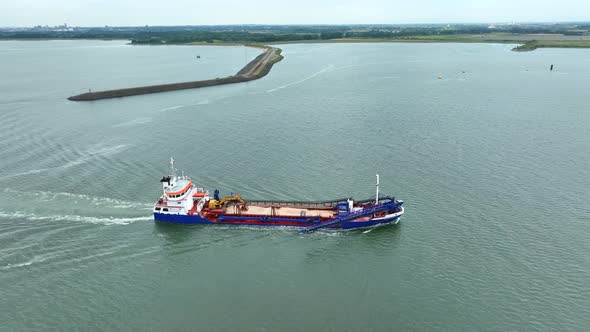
(196, 12)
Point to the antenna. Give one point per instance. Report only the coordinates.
(172, 169)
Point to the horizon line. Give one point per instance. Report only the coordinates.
(303, 24)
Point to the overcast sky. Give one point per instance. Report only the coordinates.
(210, 12)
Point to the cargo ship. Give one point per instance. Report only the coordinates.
(184, 202)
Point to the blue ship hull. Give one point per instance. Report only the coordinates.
(265, 222)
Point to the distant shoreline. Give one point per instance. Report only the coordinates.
(525, 42)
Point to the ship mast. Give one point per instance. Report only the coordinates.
(377, 193)
(172, 168)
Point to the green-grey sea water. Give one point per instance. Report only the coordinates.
(489, 149)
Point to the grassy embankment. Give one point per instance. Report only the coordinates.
(535, 44)
(411, 39)
(526, 41)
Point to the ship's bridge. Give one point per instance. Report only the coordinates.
(178, 188)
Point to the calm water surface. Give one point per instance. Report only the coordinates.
(492, 159)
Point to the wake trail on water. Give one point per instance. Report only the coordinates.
(82, 201)
(171, 108)
(327, 69)
(110, 220)
(86, 157)
(199, 103)
(61, 255)
(134, 122)
(46, 196)
(34, 260)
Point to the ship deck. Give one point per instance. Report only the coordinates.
(279, 211)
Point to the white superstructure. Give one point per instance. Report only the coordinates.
(180, 195)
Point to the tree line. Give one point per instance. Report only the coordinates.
(270, 34)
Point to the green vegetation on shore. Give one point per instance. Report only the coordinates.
(535, 44)
(278, 56)
(524, 44)
(532, 36)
